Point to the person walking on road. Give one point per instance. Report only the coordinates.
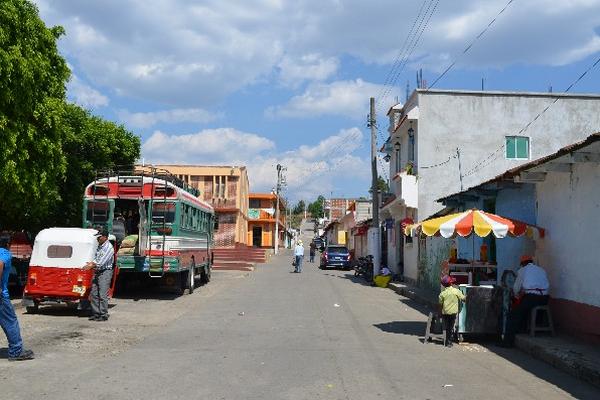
(8, 318)
(103, 270)
(299, 254)
(312, 250)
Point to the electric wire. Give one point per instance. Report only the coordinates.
(466, 50)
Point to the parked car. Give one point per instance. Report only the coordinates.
(335, 256)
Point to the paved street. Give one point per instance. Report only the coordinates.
(273, 334)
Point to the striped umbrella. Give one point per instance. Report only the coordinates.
(467, 222)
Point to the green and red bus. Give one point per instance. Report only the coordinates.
(162, 229)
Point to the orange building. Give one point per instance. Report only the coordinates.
(261, 220)
(226, 189)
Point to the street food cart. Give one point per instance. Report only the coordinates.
(485, 308)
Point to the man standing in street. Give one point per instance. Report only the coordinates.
(103, 270)
(531, 290)
(299, 254)
(8, 318)
(312, 250)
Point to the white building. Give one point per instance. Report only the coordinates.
(457, 139)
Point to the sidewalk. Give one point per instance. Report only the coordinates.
(563, 352)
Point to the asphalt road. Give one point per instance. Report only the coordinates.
(273, 334)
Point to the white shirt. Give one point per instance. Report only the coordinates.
(532, 279)
(299, 250)
(104, 256)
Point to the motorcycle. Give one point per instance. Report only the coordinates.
(364, 267)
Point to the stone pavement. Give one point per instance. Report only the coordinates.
(566, 353)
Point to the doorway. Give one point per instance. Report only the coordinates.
(257, 236)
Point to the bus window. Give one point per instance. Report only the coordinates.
(163, 211)
(97, 211)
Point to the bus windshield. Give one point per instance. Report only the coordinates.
(163, 211)
(97, 211)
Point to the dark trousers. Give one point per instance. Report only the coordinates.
(519, 314)
(312, 257)
(449, 321)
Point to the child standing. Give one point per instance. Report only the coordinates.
(449, 298)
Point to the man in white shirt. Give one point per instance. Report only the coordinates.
(103, 271)
(531, 290)
(299, 254)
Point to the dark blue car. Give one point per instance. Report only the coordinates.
(335, 256)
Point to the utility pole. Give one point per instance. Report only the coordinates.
(277, 189)
(460, 175)
(374, 191)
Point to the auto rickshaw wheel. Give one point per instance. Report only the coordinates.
(34, 308)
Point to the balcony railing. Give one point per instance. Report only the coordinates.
(223, 203)
(257, 213)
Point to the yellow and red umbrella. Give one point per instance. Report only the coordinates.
(467, 222)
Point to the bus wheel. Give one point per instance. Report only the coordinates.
(191, 280)
(206, 274)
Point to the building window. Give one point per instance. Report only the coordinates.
(411, 146)
(219, 189)
(517, 148)
(398, 149)
(254, 203)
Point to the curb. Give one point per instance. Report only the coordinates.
(572, 362)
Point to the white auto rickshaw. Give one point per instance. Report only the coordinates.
(55, 270)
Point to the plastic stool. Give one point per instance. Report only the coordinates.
(533, 327)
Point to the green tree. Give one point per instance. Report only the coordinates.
(316, 207)
(32, 91)
(382, 186)
(91, 144)
(299, 208)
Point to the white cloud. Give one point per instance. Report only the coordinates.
(191, 54)
(345, 98)
(85, 95)
(348, 140)
(312, 67)
(205, 147)
(149, 119)
(311, 169)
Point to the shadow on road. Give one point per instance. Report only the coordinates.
(351, 277)
(413, 328)
(552, 375)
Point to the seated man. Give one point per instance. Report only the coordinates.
(531, 290)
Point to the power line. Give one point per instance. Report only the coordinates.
(400, 56)
(466, 50)
(416, 38)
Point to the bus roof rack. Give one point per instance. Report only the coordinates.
(150, 172)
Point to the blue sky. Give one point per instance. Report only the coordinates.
(261, 82)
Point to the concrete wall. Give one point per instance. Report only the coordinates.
(569, 208)
(477, 123)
